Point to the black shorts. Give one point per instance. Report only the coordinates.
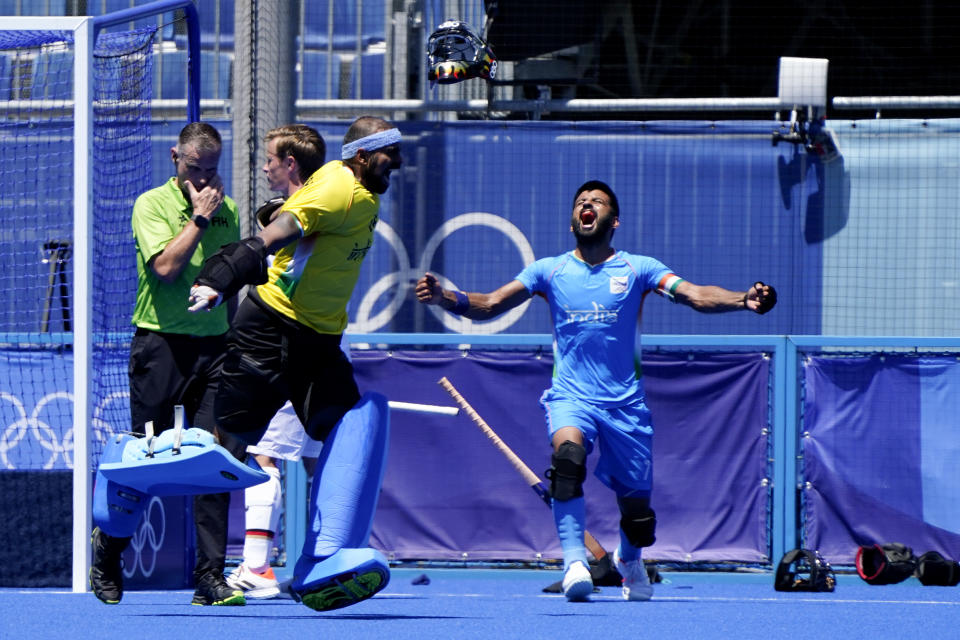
(271, 359)
(168, 369)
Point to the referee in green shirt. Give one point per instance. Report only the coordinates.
(175, 355)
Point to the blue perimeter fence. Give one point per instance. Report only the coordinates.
(777, 442)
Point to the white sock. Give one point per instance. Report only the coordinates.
(263, 504)
(256, 550)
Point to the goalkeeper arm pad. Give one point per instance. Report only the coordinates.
(234, 266)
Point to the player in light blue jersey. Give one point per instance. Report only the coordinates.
(596, 296)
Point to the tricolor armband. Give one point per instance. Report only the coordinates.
(462, 305)
(668, 285)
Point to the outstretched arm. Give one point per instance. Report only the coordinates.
(759, 298)
(476, 306)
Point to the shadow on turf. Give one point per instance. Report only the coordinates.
(604, 574)
(316, 616)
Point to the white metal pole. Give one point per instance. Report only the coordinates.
(83, 34)
(82, 306)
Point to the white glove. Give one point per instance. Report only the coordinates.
(203, 297)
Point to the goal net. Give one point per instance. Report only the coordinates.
(75, 131)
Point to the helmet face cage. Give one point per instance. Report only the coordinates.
(804, 570)
(455, 53)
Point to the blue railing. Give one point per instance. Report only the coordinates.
(784, 404)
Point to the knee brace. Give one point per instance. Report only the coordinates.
(638, 521)
(568, 471)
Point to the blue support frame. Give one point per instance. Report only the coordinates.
(785, 533)
(785, 418)
(783, 414)
(295, 508)
(193, 40)
(786, 385)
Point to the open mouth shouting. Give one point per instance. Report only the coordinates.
(588, 219)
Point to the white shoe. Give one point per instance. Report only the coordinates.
(636, 582)
(257, 586)
(577, 584)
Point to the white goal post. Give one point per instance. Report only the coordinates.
(81, 105)
(40, 118)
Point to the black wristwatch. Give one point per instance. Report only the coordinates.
(200, 221)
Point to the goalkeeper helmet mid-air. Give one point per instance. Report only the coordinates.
(455, 53)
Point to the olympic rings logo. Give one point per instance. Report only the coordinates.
(147, 540)
(400, 280)
(101, 428)
(53, 446)
(48, 439)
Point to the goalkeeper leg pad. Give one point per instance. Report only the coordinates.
(116, 507)
(347, 577)
(346, 486)
(336, 570)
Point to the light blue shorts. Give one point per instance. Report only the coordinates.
(624, 435)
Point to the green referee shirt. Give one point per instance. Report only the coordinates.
(158, 216)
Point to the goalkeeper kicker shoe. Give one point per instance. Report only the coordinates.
(636, 582)
(212, 589)
(257, 586)
(106, 570)
(577, 583)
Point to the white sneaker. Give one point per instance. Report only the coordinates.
(636, 582)
(577, 584)
(257, 586)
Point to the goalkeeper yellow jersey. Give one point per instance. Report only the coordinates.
(312, 279)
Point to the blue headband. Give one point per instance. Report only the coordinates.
(372, 142)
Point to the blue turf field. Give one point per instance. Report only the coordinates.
(503, 603)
